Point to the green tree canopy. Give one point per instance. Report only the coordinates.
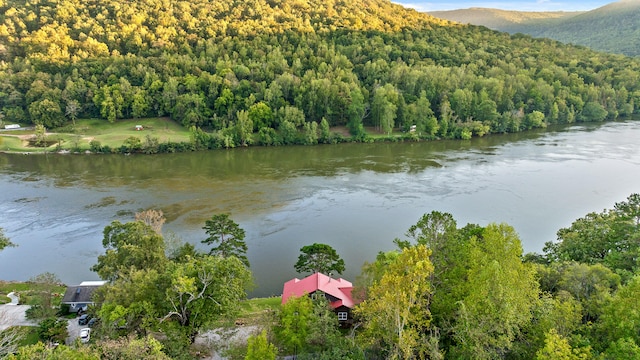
(4, 240)
(396, 315)
(226, 236)
(259, 348)
(609, 238)
(320, 258)
(203, 289)
(129, 246)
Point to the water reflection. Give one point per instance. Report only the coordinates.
(356, 197)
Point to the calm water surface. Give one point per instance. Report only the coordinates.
(355, 197)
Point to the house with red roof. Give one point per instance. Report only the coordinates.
(336, 291)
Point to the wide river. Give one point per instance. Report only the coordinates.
(355, 197)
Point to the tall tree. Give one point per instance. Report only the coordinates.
(133, 245)
(227, 238)
(396, 315)
(320, 258)
(499, 292)
(293, 324)
(243, 128)
(45, 308)
(202, 289)
(620, 318)
(72, 110)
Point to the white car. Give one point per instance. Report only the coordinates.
(85, 334)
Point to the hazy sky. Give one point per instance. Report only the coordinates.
(522, 5)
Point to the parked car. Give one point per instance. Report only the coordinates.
(92, 322)
(85, 335)
(83, 319)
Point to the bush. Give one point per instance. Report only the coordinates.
(52, 329)
(95, 146)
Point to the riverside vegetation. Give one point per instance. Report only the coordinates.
(447, 292)
(283, 72)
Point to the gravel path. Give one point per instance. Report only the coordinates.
(12, 314)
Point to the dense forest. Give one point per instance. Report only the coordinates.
(446, 292)
(276, 72)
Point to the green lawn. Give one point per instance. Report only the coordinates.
(6, 288)
(257, 310)
(256, 305)
(27, 291)
(108, 134)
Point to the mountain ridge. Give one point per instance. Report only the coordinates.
(613, 28)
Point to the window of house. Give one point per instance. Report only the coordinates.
(342, 316)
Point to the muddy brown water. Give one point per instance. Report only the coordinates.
(355, 197)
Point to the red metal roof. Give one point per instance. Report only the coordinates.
(339, 288)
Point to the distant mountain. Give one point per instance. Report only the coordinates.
(503, 20)
(613, 28)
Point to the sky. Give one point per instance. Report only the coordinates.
(520, 5)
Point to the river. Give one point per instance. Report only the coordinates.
(355, 197)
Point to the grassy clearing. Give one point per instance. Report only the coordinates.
(7, 287)
(108, 134)
(257, 310)
(257, 305)
(29, 292)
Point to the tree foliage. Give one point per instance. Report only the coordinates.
(10, 337)
(226, 236)
(259, 348)
(53, 330)
(609, 238)
(4, 240)
(293, 326)
(498, 294)
(46, 306)
(320, 258)
(241, 67)
(130, 246)
(131, 348)
(205, 288)
(60, 352)
(558, 348)
(396, 313)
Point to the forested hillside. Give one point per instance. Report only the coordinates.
(504, 20)
(268, 71)
(614, 28)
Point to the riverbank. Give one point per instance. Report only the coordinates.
(355, 197)
(94, 135)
